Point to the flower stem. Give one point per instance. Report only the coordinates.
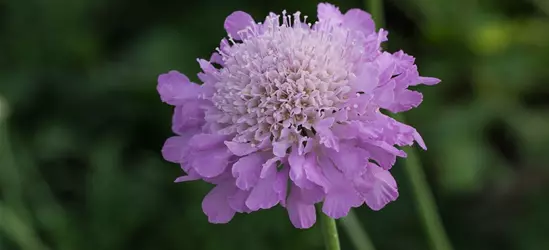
(356, 233)
(376, 10)
(425, 202)
(329, 230)
(423, 195)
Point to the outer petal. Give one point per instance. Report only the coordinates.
(174, 149)
(367, 78)
(216, 206)
(237, 201)
(211, 163)
(237, 21)
(263, 195)
(340, 200)
(281, 185)
(350, 160)
(185, 178)
(384, 188)
(246, 170)
(341, 195)
(383, 157)
(206, 141)
(187, 117)
(175, 88)
(325, 134)
(297, 173)
(314, 173)
(301, 215)
(357, 19)
(406, 100)
(429, 80)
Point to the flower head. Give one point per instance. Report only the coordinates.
(289, 113)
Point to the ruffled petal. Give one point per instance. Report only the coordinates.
(246, 170)
(188, 117)
(237, 201)
(263, 195)
(301, 215)
(281, 185)
(383, 190)
(211, 163)
(206, 141)
(175, 88)
(297, 172)
(350, 160)
(216, 206)
(314, 173)
(340, 199)
(174, 149)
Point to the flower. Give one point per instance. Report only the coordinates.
(289, 113)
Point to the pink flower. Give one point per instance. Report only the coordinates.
(292, 116)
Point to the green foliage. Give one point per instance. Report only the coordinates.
(82, 126)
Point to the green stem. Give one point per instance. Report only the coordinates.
(425, 202)
(329, 230)
(423, 195)
(376, 10)
(356, 233)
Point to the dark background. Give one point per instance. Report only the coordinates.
(82, 125)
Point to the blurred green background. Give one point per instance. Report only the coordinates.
(82, 126)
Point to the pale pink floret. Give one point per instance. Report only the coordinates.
(292, 116)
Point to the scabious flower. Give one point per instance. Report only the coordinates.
(288, 113)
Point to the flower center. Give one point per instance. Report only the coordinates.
(277, 83)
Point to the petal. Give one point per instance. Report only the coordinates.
(240, 149)
(350, 160)
(209, 71)
(406, 100)
(385, 95)
(246, 170)
(216, 206)
(387, 66)
(419, 140)
(211, 163)
(187, 178)
(174, 149)
(325, 134)
(187, 117)
(263, 195)
(383, 157)
(301, 215)
(384, 189)
(237, 201)
(340, 199)
(312, 195)
(357, 19)
(314, 173)
(326, 11)
(175, 88)
(297, 173)
(217, 58)
(280, 148)
(237, 21)
(429, 80)
(269, 167)
(206, 141)
(281, 185)
(366, 79)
